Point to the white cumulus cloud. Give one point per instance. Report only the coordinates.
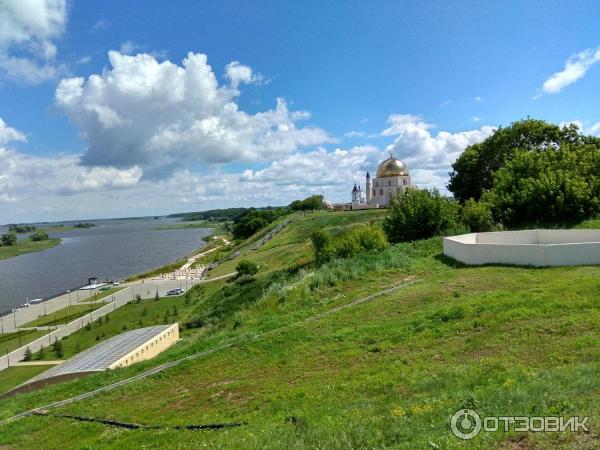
(8, 134)
(163, 117)
(29, 30)
(429, 156)
(238, 73)
(399, 123)
(337, 168)
(575, 68)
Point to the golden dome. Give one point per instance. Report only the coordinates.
(392, 167)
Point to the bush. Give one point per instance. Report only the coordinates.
(359, 239)
(477, 216)
(39, 236)
(311, 203)
(21, 228)
(419, 214)
(28, 356)
(9, 239)
(553, 186)
(245, 267)
(255, 219)
(57, 348)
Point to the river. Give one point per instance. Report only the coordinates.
(113, 249)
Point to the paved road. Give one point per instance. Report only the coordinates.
(147, 289)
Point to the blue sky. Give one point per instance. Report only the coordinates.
(448, 71)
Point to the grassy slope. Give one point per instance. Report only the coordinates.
(14, 376)
(27, 246)
(291, 245)
(385, 373)
(63, 316)
(10, 341)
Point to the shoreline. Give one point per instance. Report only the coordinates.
(172, 266)
(26, 246)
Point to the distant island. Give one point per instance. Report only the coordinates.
(11, 246)
(84, 225)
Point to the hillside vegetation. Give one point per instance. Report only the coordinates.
(376, 350)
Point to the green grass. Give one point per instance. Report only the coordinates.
(14, 376)
(291, 245)
(64, 315)
(385, 373)
(58, 228)
(10, 341)
(25, 246)
(128, 317)
(589, 224)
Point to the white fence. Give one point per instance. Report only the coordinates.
(527, 248)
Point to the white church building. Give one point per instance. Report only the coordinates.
(392, 178)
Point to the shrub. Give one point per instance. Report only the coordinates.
(553, 186)
(9, 239)
(28, 355)
(477, 216)
(57, 348)
(311, 203)
(41, 354)
(359, 239)
(253, 220)
(245, 267)
(39, 236)
(419, 214)
(21, 228)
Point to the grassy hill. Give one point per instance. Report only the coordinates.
(375, 351)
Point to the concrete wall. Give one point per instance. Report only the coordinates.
(151, 348)
(527, 248)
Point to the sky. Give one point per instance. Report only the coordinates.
(113, 109)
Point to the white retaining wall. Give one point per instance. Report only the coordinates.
(526, 248)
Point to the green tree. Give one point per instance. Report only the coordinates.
(27, 356)
(419, 214)
(561, 185)
(473, 171)
(477, 216)
(57, 348)
(39, 236)
(254, 220)
(311, 203)
(9, 239)
(245, 267)
(41, 354)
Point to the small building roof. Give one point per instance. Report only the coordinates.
(101, 356)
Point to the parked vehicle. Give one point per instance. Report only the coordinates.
(176, 291)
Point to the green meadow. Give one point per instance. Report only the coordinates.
(374, 351)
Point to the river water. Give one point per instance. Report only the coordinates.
(113, 249)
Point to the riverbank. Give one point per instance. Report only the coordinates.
(25, 246)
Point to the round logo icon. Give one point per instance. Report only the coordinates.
(465, 423)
